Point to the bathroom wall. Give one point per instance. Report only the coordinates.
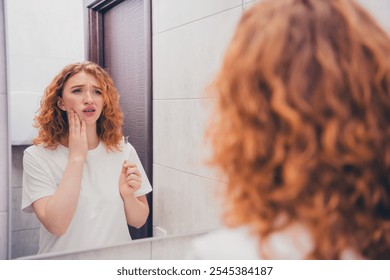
(4, 151)
(189, 39)
(42, 37)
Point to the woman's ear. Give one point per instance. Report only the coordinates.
(60, 104)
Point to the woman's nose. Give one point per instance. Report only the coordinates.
(88, 99)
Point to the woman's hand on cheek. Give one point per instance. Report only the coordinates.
(78, 145)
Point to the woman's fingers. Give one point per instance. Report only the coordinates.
(133, 176)
(76, 125)
(132, 169)
(134, 185)
(83, 130)
(70, 121)
(76, 122)
(77, 141)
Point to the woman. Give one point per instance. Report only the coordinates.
(81, 180)
(302, 132)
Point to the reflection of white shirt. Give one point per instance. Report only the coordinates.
(100, 218)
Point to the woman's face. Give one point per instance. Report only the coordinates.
(82, 93)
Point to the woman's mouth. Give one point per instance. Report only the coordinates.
(89, 111)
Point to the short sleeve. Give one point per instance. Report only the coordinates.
(37, 180)
(145, 187)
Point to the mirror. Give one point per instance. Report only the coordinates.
(43, 37)
(185, 57)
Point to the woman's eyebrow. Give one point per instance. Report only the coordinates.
(76, 86)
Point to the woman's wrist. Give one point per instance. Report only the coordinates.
(77, 159)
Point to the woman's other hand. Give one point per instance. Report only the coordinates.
(129, 180)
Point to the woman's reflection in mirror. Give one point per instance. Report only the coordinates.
(82, 181)
(302, 132)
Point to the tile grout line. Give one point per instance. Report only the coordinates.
(193, 174)
(199, 19)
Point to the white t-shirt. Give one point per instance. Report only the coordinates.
(100, 218)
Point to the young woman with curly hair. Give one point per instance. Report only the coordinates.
(77, 178)
(301, 129)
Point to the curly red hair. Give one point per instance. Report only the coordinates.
(301, 127)
(52, 122)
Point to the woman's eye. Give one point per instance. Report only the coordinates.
(76, 90)
(98, 92)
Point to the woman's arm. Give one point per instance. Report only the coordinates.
(136, 208)
(56, 212)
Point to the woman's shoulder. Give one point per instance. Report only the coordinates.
(35, 149)
(129, 146)
(225, 244)
(39, 148)
(41, 151)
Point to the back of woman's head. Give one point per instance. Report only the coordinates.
(52, 122)
(302, 124)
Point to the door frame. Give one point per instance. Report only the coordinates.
(95, 34)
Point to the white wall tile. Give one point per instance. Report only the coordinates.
(184, 203)
(188, 57)
(17, 165)
(172, 13)
(21, 220)
(37, 32)
(179, 135)
(250, 3)
(3, 78)
(4, 184)
(3, 235)
(25, 243)
(34, 73)
(156, 141)
(380, 9)
(3, 189)
(59, 7)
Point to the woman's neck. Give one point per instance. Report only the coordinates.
(92, 139)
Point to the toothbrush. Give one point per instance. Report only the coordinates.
(126, 148)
